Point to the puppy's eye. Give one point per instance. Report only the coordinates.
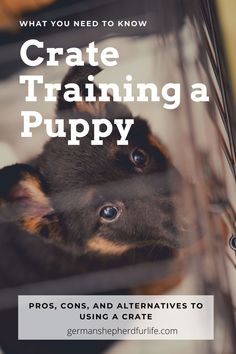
(109, 213)
(139, 157)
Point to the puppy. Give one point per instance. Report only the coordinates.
(107, 199)
(82, 208)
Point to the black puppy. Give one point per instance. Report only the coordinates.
(89, 207)
(106, 199)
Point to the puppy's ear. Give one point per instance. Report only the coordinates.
(98, 109)
(23, 198)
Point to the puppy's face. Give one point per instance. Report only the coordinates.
(113, 198)
(107, 199)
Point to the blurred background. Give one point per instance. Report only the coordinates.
(184, 42)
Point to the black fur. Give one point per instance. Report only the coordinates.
(78, 181)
